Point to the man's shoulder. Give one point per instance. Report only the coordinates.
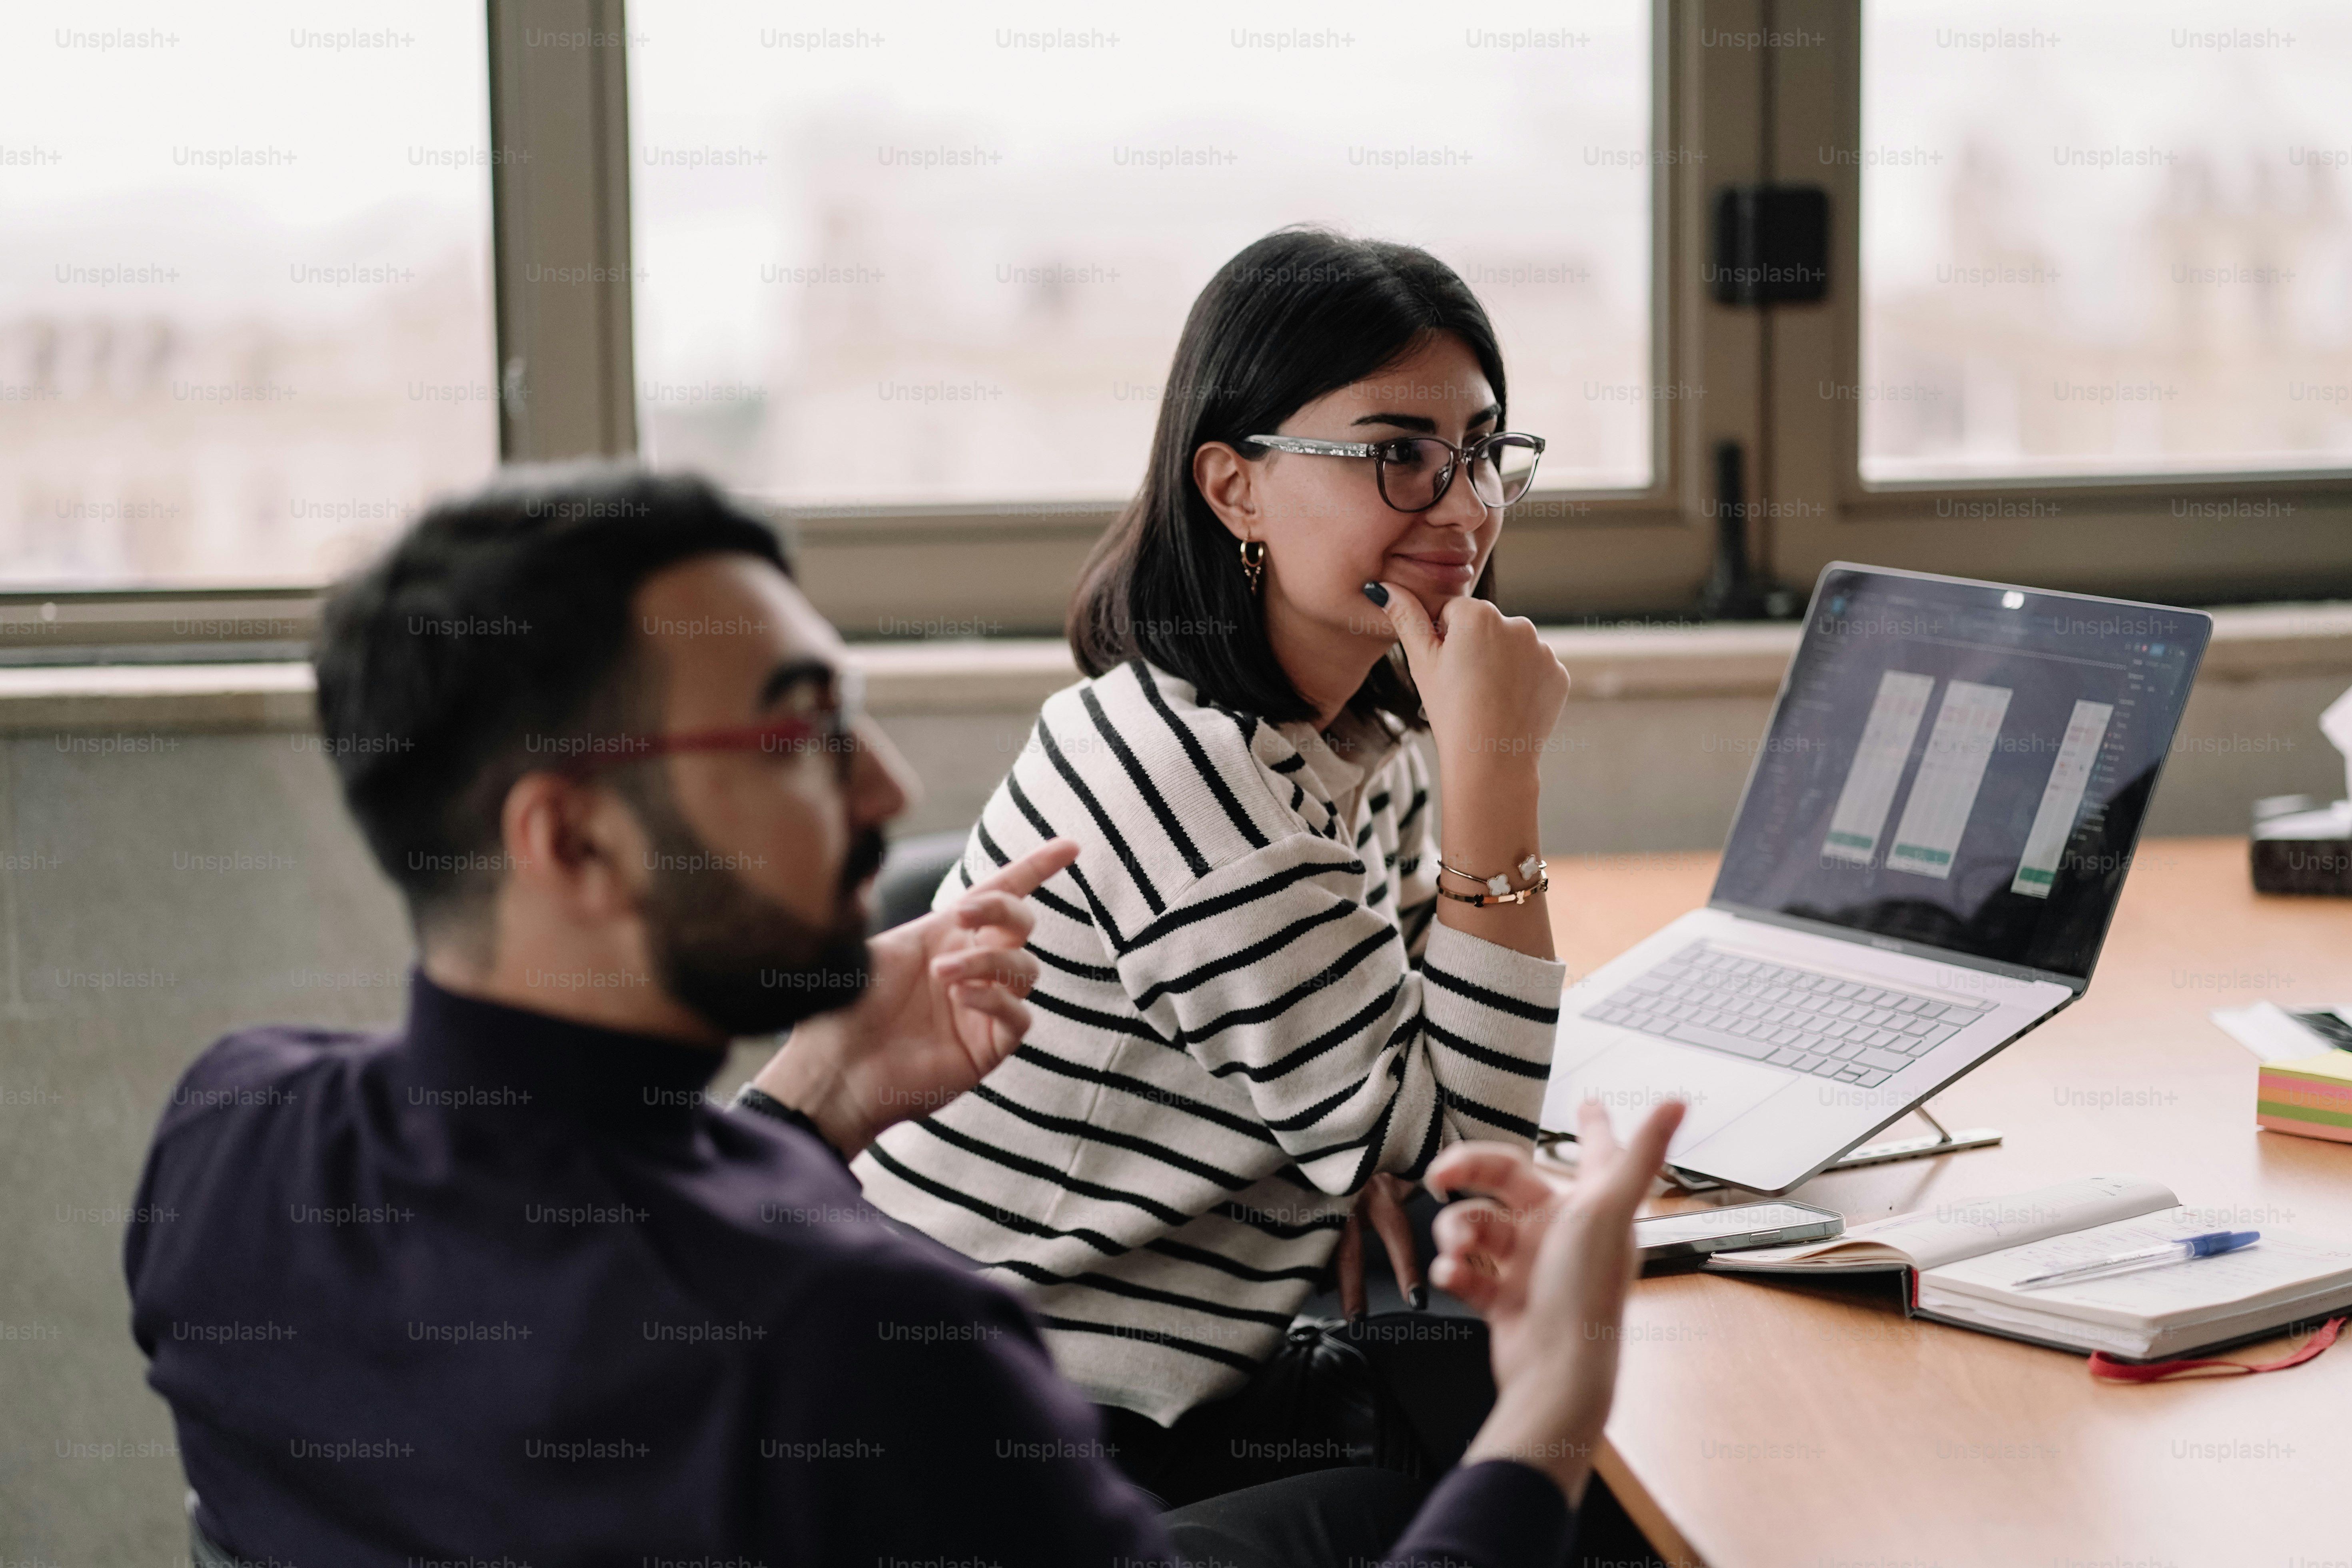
(872, 1294)
(779, 1184)
(264, 1066)
(839, 1260)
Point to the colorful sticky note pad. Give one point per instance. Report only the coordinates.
(2311, 1096)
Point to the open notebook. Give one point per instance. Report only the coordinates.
(1962, 1259)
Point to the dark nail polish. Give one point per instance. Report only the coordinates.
(1417, 1297)
(1376, 594)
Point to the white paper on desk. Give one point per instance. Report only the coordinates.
(1948, 1232)
(2280, 1266)
(2336, 723)
(2271, 1032)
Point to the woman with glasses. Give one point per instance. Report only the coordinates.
(1285, 967)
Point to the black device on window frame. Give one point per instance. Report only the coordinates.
(1695, 1232)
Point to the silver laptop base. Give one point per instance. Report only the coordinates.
(1945, 1141)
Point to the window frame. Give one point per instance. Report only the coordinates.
(567, 381)
(1006, 569)
(2111, 533)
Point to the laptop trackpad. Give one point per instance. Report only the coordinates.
(1630, 1077)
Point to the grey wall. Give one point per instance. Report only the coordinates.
(125, 954)
(1665, 774)
(153, 897)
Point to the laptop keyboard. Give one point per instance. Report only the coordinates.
(1782, 1016)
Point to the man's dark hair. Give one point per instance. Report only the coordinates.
(1300, 313)
(489, 640)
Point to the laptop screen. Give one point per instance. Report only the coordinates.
(1962, 765)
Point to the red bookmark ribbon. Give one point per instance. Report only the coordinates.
(2113, 1371)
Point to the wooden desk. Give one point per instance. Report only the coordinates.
(1813, 1425)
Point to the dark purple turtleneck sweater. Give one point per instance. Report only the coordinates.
(502, 1288)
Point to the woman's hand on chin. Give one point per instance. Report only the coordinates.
(1492, 690)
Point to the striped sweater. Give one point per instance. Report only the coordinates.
(1246, 1010)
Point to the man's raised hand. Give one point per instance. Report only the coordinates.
(942, 1007)
(1547, 1267)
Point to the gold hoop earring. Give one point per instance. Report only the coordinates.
(1254, 563)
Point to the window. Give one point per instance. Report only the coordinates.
(911, 276)
(245, 326)
(923, 253)
(2105, 239)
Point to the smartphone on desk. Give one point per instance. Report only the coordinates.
(1695, 1232)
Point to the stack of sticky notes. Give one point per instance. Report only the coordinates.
(2309, 1095)
(2298, 1092)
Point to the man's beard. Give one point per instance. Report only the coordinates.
(741, 961)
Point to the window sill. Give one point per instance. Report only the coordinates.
(1014, 675)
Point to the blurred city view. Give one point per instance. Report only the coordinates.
(2101, 239)
(149, 444)
(940, 258)
(933, 256)
(245, 306)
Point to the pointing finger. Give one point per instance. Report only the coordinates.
(999, 916)
(1025, 876)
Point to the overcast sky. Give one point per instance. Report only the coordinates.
(2132, 76)
(103, 104)
(122, 125)
(1291, 89)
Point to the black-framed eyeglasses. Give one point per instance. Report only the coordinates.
(1414, 472)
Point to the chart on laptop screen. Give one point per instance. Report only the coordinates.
(1962, 765)
(1968, 726)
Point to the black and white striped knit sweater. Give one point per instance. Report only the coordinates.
(1246, 1010)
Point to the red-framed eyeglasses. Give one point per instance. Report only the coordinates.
(828, 724)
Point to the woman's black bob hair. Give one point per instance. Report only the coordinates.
(1302, 313)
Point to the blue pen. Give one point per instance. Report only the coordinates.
(2212, 1244)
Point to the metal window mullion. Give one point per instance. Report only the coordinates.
(559, 194)
(1718, 114)
(1814, 122)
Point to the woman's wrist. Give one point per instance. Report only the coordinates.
(1484, 755)
(1494, 779)
(1486, 834)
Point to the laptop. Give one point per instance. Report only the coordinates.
(1930, 846)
